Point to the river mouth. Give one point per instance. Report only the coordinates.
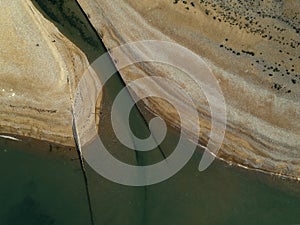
(46, 189)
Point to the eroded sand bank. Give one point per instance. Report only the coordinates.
(39, 70)
(252, 49)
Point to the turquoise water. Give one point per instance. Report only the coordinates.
(40, 187)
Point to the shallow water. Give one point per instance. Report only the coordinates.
(40, 189)
(44, 188)
(222, 194)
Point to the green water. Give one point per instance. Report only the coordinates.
(43, 189)
(40, 187)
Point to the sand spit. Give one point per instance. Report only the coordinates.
(39, 70)
(253, 50)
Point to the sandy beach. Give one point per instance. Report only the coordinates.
(40, 69)
(251, 49)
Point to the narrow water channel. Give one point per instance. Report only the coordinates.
(41, 188)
